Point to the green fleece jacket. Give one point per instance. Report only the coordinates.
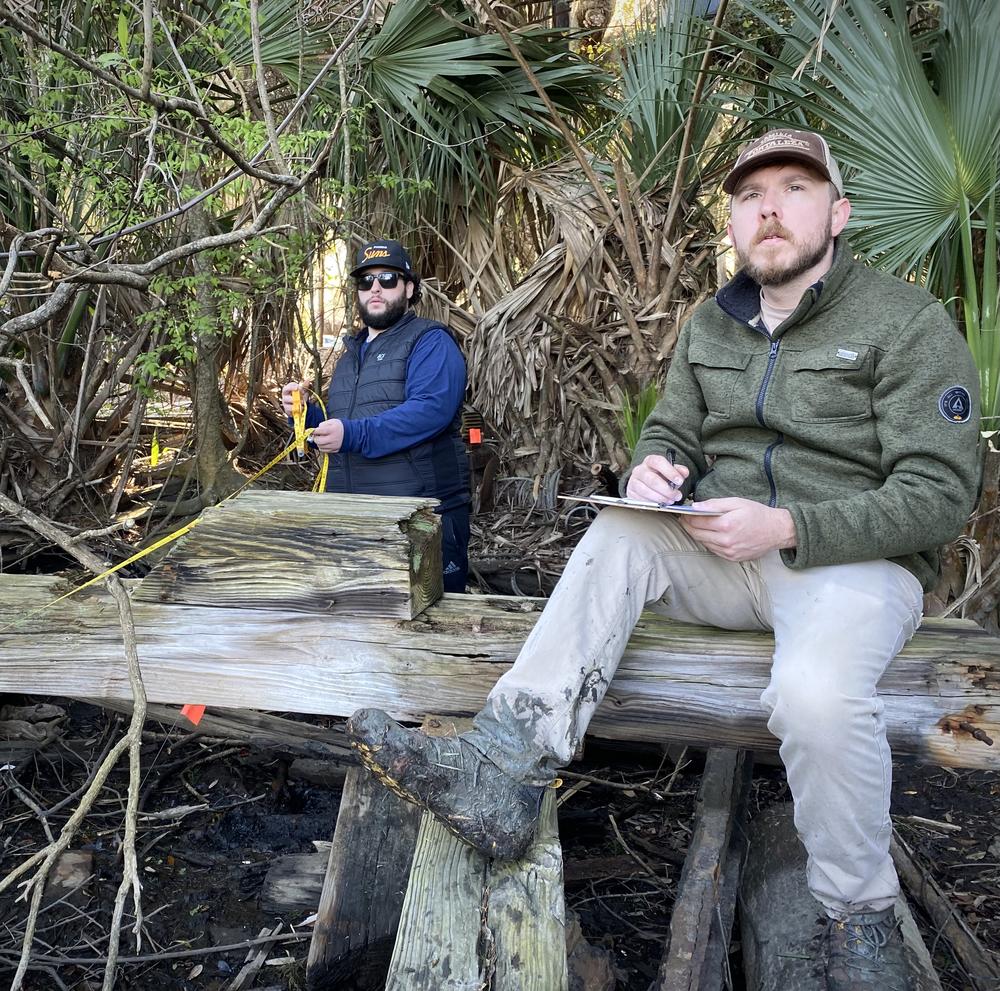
(859, 416)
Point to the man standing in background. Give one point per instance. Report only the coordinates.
(393, 413)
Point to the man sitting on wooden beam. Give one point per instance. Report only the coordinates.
(826, 413)
(394, 411)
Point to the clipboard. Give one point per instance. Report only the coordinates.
(652, 507)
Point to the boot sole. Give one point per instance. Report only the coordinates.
(367, 758)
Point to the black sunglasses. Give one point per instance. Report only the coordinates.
(387, 280)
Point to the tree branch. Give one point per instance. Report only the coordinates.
(162, 103)
(131, 741)
(225, 180)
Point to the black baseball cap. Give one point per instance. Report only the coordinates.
(383, 254)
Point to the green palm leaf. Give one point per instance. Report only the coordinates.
(916, 122)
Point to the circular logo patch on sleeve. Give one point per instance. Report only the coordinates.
(955, 404)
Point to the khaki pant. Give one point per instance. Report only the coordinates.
(835, 629)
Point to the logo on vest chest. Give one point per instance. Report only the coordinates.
(380, 356)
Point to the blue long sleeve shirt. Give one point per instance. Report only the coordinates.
(435, 386)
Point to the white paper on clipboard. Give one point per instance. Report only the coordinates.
(653, 507)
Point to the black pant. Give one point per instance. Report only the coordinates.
(455, 548)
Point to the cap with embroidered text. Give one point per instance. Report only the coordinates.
(383, 254)
(782, 144)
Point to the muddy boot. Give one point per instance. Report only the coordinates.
(469, 794)
(864, 952)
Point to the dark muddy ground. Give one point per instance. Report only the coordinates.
(203, 868)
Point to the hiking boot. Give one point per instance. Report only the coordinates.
(865, 951)
(446, 775)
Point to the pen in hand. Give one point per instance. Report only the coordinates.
(671, 457)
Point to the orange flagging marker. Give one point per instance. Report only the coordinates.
(193, 713)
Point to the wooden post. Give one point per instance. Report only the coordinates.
(365, 881)
(703, 911)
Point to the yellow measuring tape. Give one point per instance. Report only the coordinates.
(299, 421)
(318, 486)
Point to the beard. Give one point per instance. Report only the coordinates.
(387, 316)
(808, 253)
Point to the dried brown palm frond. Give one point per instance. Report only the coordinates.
(591, 319)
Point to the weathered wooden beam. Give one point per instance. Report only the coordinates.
(469, 923)
(690, 684)
(441, 923)
(704, 906)
(780, 918)
(362, 894)
(310, 552)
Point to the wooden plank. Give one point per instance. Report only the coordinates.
(363, 891)
(526, 913)
(690, 684)
(469, 923)
(307, 552)
(779, 916)
(441, 922)
(716, 975)
(704, 906)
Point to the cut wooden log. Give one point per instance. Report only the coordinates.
(360, 555)
(780, 919)
(690, 684)
(471, 923)
(704, 908)
(363, 891)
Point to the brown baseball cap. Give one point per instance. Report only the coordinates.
(782, 144)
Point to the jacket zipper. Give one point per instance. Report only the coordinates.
(350, 409)
(772, 357)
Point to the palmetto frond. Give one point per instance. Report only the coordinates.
(916, 122)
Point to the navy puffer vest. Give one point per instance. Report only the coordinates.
(437, 467)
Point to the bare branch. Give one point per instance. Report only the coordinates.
(162, 103)
(29, 394)
(27, 321)
(132, 741)
(225, 180)
(265, 103)
(147, 49)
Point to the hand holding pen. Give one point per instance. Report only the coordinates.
(658, 479)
